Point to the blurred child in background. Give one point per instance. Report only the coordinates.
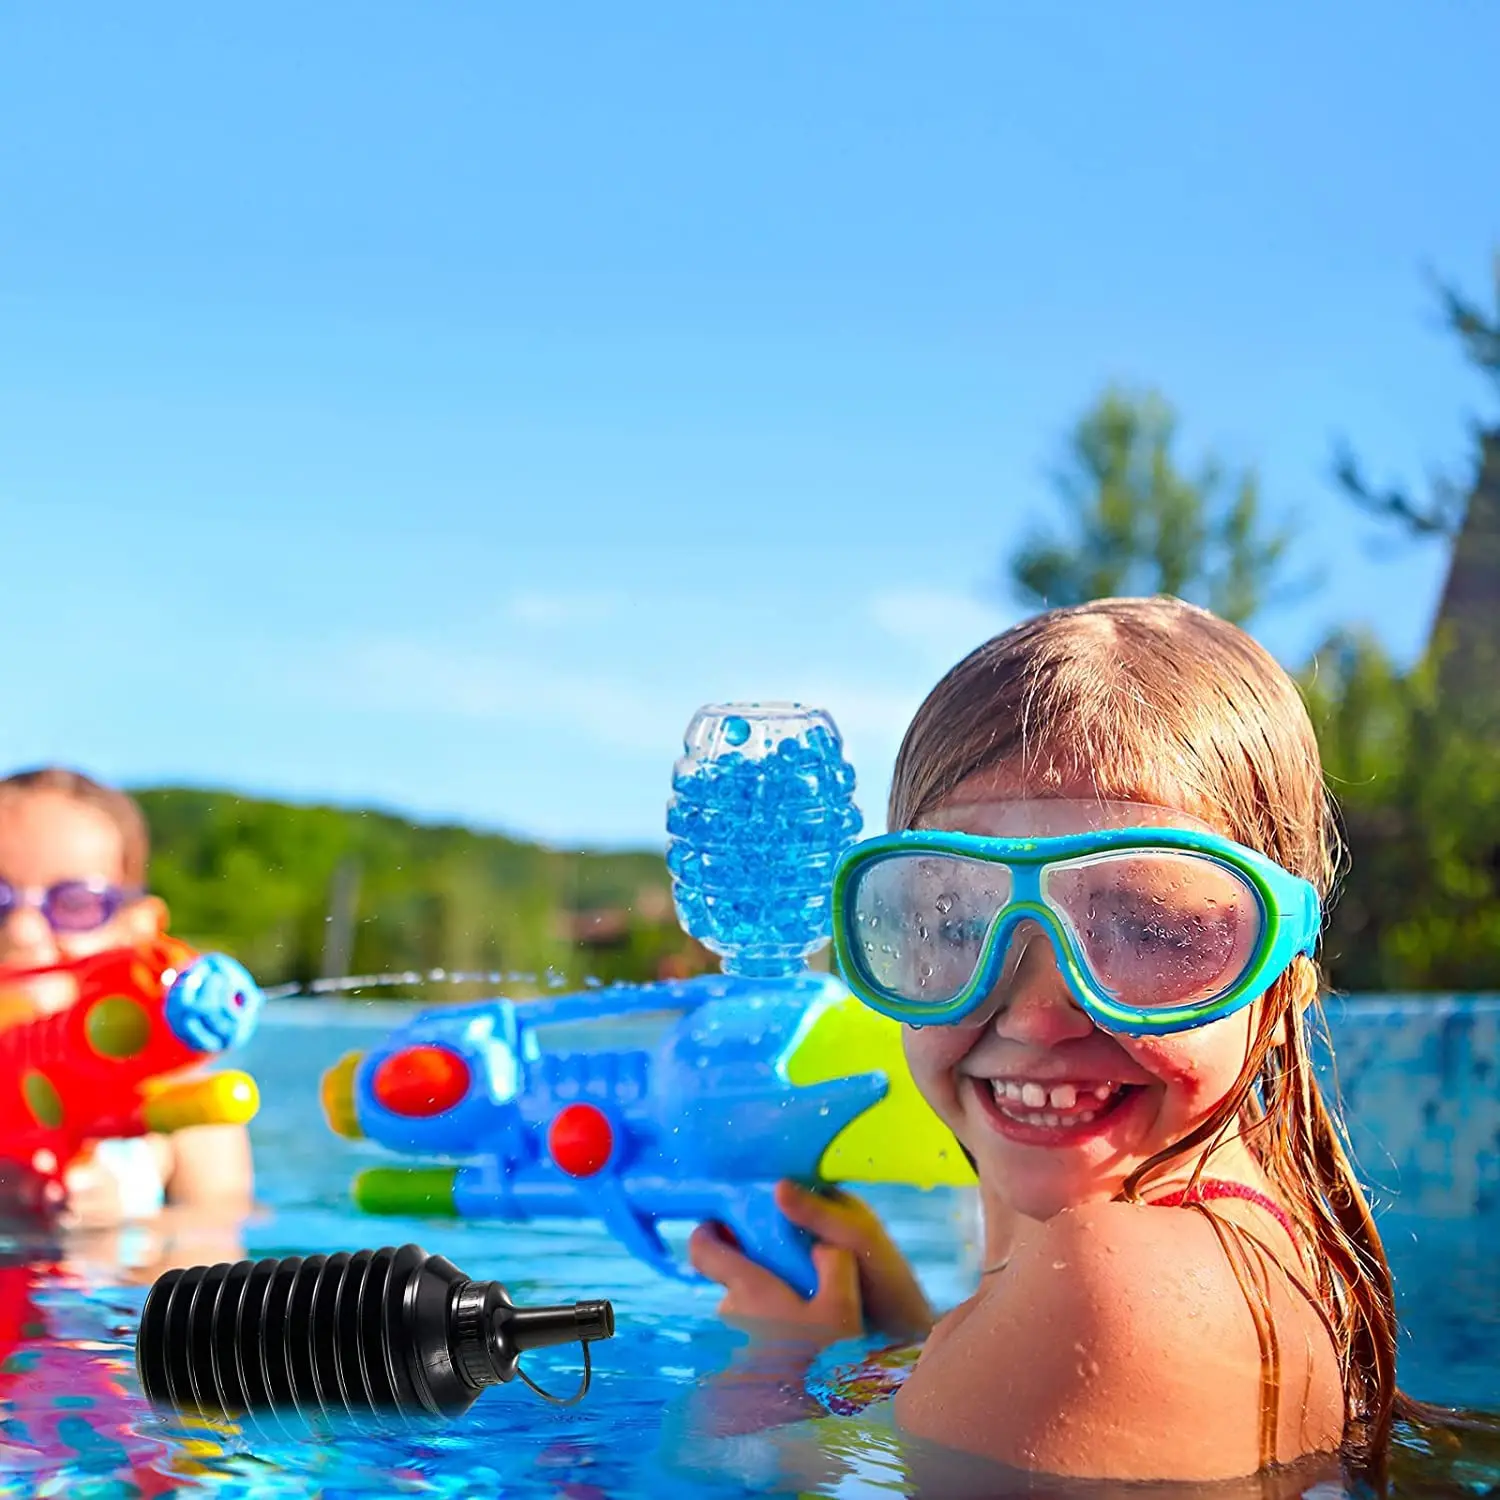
(73, 857)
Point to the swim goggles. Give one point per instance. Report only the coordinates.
(69, 905)
(1156, 930)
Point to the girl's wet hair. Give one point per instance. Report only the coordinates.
(117, 806)
(1154, 700)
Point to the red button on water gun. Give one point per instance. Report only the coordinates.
(581, 1140)
(419, 1082)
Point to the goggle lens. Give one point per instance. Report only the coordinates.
(1154, 929)
(920, 921)
(68, 906)
(1158, 929)
(75, 907)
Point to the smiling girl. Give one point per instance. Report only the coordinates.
(1096, 917)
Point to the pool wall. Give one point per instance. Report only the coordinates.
(1419, 1079)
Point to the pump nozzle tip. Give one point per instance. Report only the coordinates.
(596, 1320)
(538, 1327)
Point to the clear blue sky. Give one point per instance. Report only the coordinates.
(429, 406)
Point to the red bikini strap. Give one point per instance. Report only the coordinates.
(1214, 1187)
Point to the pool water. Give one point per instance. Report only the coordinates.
(73, 1421)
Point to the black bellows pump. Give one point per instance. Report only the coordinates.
(385, 1332)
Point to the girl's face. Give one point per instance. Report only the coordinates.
(47, 837)
(1038, 1058)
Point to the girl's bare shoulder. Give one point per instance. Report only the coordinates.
(1119, 1343)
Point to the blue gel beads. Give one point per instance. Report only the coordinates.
(762, 808)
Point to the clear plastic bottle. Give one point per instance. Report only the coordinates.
(762, 808)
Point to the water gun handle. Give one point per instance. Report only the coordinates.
(768, 1237)
(756, 1225)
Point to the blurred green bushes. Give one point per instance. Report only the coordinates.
(297, 892)
(1416, 774)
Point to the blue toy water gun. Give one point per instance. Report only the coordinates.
(682, 1100)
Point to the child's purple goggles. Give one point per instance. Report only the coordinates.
(69, 905)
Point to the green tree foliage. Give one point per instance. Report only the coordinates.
(1414, 765)
(1418, 787)
(1139, 524)
(1442, 512)
(1414, 756)
(258, 879)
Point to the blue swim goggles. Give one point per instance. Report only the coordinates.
(1156, 930)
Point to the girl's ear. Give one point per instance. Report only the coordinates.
(1302, 979)
(146, 919)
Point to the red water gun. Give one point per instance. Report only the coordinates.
(107, 1065)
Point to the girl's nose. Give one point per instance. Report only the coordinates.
(26, 939)
(1036, 1006)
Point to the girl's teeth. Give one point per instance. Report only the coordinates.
(1038, 1104)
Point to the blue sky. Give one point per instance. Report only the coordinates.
(429, 407)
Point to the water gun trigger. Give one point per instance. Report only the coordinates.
(752, 1222)
(635, 1230)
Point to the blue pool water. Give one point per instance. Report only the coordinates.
(72, 1421)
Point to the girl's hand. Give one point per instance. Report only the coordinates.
(862, 1277)
(94, 1198)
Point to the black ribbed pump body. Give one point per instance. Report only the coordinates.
(392, 1332)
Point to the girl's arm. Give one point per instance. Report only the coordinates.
(209, 1165)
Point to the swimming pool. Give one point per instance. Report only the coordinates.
(72, 1420)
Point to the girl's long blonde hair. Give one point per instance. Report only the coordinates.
(1157, 700)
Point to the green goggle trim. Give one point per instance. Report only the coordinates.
(1290, 913)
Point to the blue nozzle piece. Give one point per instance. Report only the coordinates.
(213, 1004)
